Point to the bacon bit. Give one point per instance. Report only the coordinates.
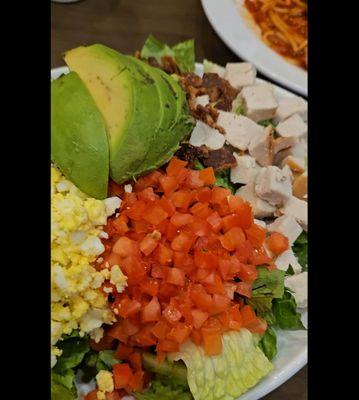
(217, 159)
(188, 153)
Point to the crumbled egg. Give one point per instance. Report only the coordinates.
(105, 384)
(76, 232)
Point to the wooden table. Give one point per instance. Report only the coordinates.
(124, 25)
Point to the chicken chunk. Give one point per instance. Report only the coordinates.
(287, 226)
(299, 285)
(298, 209)
(203, 134)
(292, 126)
(240, 74)
(273, 185)
(289, 106)
(260, 207)
(287, 258)
(261, 147)
(246, 169)
(259, 102)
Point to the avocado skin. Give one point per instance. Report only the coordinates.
(79, 145)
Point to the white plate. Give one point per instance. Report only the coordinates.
(292, 345)
(234, 29)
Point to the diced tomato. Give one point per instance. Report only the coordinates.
(92, 395)
(196, 337)
(220, 194)
(205, 259)
(220, 303)
(149, 243)
(257, 326)
(183, 261)
(157, 271)
(233, 238)
(172, 313)
(212, 343)
(123, 352)
(163, 254)
(201, 210)
(200, 298)
(168, 346)
(112, 396)
(144, 337)
(200, 227)
(129, 328)
(161, 329)
(182, 176)
(248, 273)
(106, 343)
(235, 318)
(166, 204)
(155, 215)
(150, 286)
(244, 251)
(167, 290)
(151, 312)
(244, 288)
(168, 184)
(115, 189)
(147, 195)
(136, 210)
(231, 221)
(207, 176)
(193, 180)
(122, 374)
(135, 361)
(181, 199)
(199, 317)
(125, 247)
(182, 242)
(259, 257)
(204, 195)
(171, 231)
(113, 259)
(248, 315)
(215, 221)
(175, 276)
(136, 381)
(179, 333)
(120, 224)
(243, 209)
(151, 179)
(179, 219)
(175, 166)
(256, 235)
(128, 307)
(277, 243)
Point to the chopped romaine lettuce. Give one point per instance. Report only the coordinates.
(228, 375)
(168, 391)
(73, 352)
(62, 386)
(285, 312)
(183, 53)
(300, 249)
(268, 343)
(269, 284)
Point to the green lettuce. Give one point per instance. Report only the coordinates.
(228, 375)
(209, 66)
(285, 312)
(168, 391)
(300, 249)
(60, 392)
(97, 361)
(268, 343)
(183, 52)
(267, 122)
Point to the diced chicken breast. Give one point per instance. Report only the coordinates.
(300, 186)
(246, 169)
(261, 147)
(289, 106)
(282, 143)
(299, 150)
(202, 100)
(203, 134)
(296, 164)
(298, 209)
(214, 68)
(240, 74)
(299, 285)
(240, 130)
(273, 185)
(287, 226)
(287, 258)
(260, 223)
(259, 101)
(292, 126)
(288, 173)
(261, 208)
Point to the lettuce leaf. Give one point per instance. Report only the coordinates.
(268, 343)
(158, 390)
(285, 312)
(62, 386)
(228, 375)
(73, 352)
(183, 52)
(300, 249)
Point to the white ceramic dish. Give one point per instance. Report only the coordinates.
(235, 29)
(292, 345)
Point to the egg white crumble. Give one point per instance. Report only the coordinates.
(76, 231)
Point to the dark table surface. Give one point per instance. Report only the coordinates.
(124, 25)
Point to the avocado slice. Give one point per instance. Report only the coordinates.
(168, 111)
(79, 145)
(128, 99)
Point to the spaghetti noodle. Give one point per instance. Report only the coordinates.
(284, 26)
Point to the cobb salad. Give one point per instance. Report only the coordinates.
(178, 225)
